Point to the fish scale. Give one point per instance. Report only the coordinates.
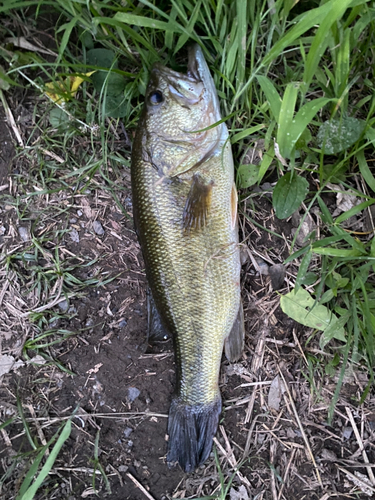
(193, 272)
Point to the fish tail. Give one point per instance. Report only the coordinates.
(191, 429)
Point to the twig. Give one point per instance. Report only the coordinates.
(232, 461)
(10, 119)
(138, 484)
(357, 480)
(286, 472)
(360, 444)
(273, 447)
(302, 430)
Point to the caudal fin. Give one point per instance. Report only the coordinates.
(191, 429)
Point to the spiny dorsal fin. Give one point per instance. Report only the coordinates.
(197, 204)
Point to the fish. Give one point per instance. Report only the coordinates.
(185, 214)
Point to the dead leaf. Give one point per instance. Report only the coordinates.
(276, 392)
(95, 369)
(8, 363)
(240, 494)
(68, 87)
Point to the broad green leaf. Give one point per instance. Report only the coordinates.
(58, 117)
(365, 170)
(289, 193)
(303, 308)
(102, 58)
(247, 175)
(271, 94)
(337, 135)
(335, 330)
(115, 106)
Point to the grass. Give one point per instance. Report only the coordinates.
(295, 75)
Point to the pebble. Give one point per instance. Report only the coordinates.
(98, 228)
(277, 273)
(74, 235)
(24, 233)
(347, 432)
(133, 393)
(123, 468)
(122, 323)
(127, 431)
(79, 213)
(63, 305)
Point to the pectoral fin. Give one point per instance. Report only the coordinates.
(197, 204)
(234, 343)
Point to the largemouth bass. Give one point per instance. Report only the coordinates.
(185, 212)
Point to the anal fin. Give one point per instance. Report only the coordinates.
(155, 328)
(234, 343)
(197, 204)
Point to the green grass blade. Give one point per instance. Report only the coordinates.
(247, 132)
(65, 433)
(321, 39)
(242, 29)
(271, 94)
(365, 170)
(285, 119)
(301, 120)
(354, 211)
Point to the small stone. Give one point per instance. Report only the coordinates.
(123, 468)
(328, 455)
(79, 213)
(130, 443)
(277, 273)
(133, 393)
(122, 323)
(98, 228)
(63, 305)
(73, 220)
(89, 322)
(74, 234)
(347, 432)
(24, 233)
(263, 267)
(127, 431)
(137, 463)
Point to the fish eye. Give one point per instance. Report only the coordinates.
(155, 97)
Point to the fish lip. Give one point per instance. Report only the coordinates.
(198, 69)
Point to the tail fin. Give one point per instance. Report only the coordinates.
(191, 429)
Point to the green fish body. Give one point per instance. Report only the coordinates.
(185, 212)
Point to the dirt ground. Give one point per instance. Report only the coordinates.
(273, 438)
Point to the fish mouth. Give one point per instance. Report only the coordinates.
(198, 69)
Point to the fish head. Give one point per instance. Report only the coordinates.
(177, 107)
